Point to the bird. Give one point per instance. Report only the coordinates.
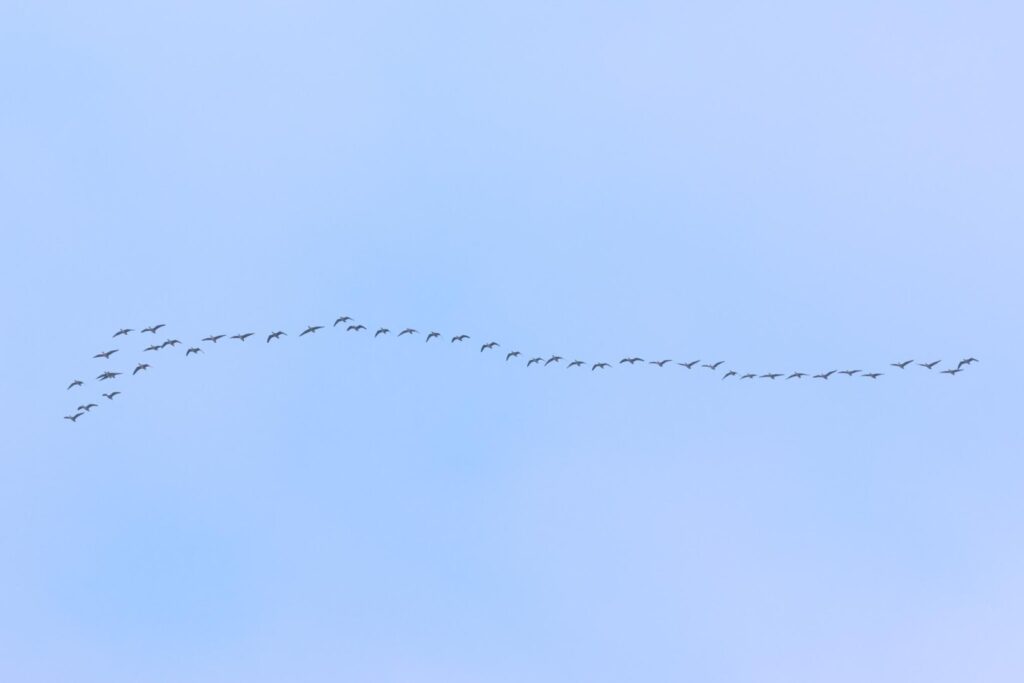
(171, 342)
(76, 383)
(574, 364)
(772, 375)
(966, 361)
(408, 330)
(382, 330)
(139, 367)
(73, 417)
(798, 375)
(193, 349)
(154, 328)
(432, 335)
(873, 375)
(952, 372)
(341, 319)
(631, 361)
(461, 337)
(849, 373)
(749, 375)
(712, 366)
(108, 375)
(214, 337)
(242, 337)
(930, 365)
(660, 363)
(87, 407)
(152, 347)
(489, 345)
(511, 354)
(689, 366)
(355, 328)
(111, 395)
(903, 365)
(105, 354)
(729, 374)
(311, 330)
(532, 361)
(602, 365)
(276, 335)
(824, 375)
(124, 331)
(553, 359)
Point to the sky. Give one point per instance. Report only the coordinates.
(782, 187)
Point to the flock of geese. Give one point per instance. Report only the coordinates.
(353, 327)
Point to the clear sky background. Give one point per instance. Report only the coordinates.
(782, 186)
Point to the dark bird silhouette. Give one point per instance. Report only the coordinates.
(193, 349)
(930, 365)
(631, 361)
(553, 359)
(772, 375)
(214, 337)
(140, 367)
(903, 365)
(154, 328)
(76, 383)
(824, 375)
(873, 375)
(341, 319)
(952, 371)
(532, 361)
(355, 328)
(574, 364)
(242, 337)
(849, 373)
(124, 331)
(311, 330)
(105, 354)
(966, 361)
(797, 375)
(432, 335)
(171, 342)
(87, 407)
(461, 337)
(152, 347)
(595, 366)
(689, 366)
(489, 345)
(276, 335)
(749, 375)
(382, 330)
(660, 363)
(73, 417)
(408, 330)
(511, 354)
(108, 375)
(712, 366)
(729, 374)
(111, 395)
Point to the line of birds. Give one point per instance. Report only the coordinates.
(535, 360)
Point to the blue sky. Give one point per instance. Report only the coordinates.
(793, 187)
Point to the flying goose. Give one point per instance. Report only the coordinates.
(930, 365)
(660, 363)
(108, 375)
(553, 359)
(772, 375)
(154, 328)
(712, 366)
(532, 361)
(631, 361)
(873, 375)
(952, 372)
(152, 347)
(341, 319)
(355, 328)
(408, 330)
(382, 330)
(967, 361)
(797, 375)
(73, 417)
(602, 365)
(105, 354)
(489, 345)
(171, 342)
(689, 366)
(729, 374)
(903, 365)
(749, 375)
(124, 331)
(432, 335)
(824, 375)
(575, 363)
(242, 337)
(193, 349)
(87, 407)
(214, 337)
(111, 395)
(76, 383)
(276, 335)
(139, 367)
(461, 337)
(511, 354)
(311, 330)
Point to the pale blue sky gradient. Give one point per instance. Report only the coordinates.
(784, 186)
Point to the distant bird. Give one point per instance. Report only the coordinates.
(382, 330)
(553, 359)
(873, 375)
(489, 345)
(461, 337)
(171, 342)
(689, 366)
(903, 365)
(193, 349)
(930, 365)
(575, 363)
(276, 335)
(408, 330)
(140, 367)
(511, 354)
(631, 361)
(532, 361)
(105, 354)
(749, 375)
(124, 331)
(772, 375)
(152, 347)
(154, 328)
(311, 330)
(595, 366)
(87, 407)
(849, 373)
(952, 372)
(824, 375)
(660, 363)
(966, 361)
(76, 383)
(355, 328)
(797, 375)
(214, 337)
(432, 335)
(73, 417)
(108, 375)
(729, 374)
(111, 395)
(712, 366)
(341, 319)
(242, 337)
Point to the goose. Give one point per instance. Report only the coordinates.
(87, 407)
(602, 365)
(105, 354)
(408, 330)
(511, 354)
(749, 375)
(124, 331)
(140, 367)
(214, 337)
(631, 361)
(532, 361)
(111, 395)
(903, 365)
(873, 375)
(575, 363)
(154, 328)
(171, 342)
(772, 375)
(382, 330)
(341, 319)
(432, 335)
(952, 372)
(824, 375)
(966, 361)
(930, 365)
(553, 359)
(76, 383)
(276, 335)
(193, 349)
(729, 374)
(355, 328)
(108, 375)
(461, 337)
(242, 337)
(660, 363)
(489, 345)
(73, 417)
(689, 366)
(797, 375)
(152, 347)
(311, 330)
(849, 373)
(712, 366)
